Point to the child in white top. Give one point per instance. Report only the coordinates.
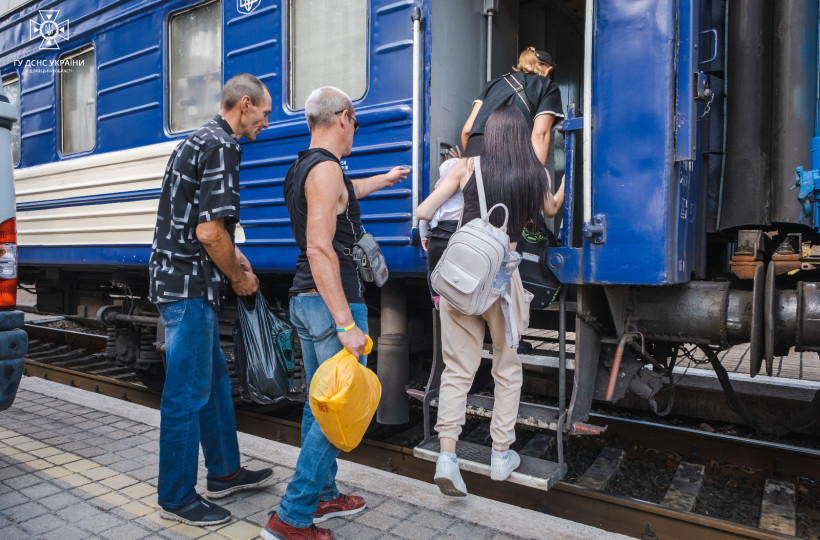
(436, 233)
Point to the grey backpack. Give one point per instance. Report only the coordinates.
(474, 255)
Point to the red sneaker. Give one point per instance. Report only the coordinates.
(277, 529)
(343, 505)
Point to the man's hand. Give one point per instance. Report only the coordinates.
(424, 244)
(353, 340)
(396, 174)
(246, 285)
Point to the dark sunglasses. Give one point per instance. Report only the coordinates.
(355, 122)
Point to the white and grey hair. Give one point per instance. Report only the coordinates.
(242, 85)
(323, 104)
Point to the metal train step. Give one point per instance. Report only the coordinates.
(529, 414)
(533, 472)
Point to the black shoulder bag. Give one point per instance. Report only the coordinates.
(368, 257)
(534, 269)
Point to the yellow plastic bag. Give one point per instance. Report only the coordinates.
(343, 397)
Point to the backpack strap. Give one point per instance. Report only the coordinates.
(479, 182)
(470, 160)
(518, 88)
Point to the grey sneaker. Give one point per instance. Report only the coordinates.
(502, 468)
(448, 477)
(244, 479)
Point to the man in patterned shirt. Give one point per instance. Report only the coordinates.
(192, 260)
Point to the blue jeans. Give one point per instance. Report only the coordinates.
(315, 476)
(196, 402)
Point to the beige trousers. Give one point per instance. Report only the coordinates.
(462, 344)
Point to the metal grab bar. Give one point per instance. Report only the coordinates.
(714, 55)
(417, 112)
(587, 165)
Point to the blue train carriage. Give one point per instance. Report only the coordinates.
(679, 228)
(108, 89)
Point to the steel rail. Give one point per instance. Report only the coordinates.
(791, 461)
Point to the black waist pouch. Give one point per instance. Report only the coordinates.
(368, 257)
(370, 260)
(534, 269)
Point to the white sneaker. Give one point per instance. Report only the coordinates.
(448, 477)
(502, 468)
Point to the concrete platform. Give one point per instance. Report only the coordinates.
(74, 464)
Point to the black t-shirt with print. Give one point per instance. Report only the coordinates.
(543, 94)
(201, 183)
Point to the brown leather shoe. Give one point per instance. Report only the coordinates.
(276, 529)
(343, 505)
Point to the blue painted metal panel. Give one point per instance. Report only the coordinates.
(383, 141)
(96, 256)
(633, 141)
(633, 113)
(640, 197)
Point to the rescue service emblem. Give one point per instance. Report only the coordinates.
(48, 28)
(247, 6)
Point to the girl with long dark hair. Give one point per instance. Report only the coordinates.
(512, 175)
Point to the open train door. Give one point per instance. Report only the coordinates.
(498, 31)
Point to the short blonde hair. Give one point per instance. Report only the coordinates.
(528, 62)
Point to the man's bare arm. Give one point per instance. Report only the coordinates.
(365, 186)
(324, 188)
(217, 243)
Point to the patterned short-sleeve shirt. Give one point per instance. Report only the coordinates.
(201, 183)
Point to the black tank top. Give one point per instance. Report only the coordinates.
(348, 226)
(472, 208)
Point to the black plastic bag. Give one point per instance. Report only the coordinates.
(536, 275)
(263, 343)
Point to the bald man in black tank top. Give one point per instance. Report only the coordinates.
(327, 303)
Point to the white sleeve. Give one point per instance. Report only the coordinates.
(424, 229)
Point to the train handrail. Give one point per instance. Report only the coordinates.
(417, 109)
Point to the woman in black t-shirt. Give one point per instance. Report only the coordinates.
(538, 97)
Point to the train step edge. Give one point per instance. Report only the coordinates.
(533, 472)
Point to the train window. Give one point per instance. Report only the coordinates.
(328, 47)
(11, 88)
(78, 104)
(195, 73)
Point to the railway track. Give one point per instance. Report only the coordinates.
(598, 489)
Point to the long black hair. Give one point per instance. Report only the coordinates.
(512, 173)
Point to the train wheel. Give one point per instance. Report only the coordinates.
(153, 377)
